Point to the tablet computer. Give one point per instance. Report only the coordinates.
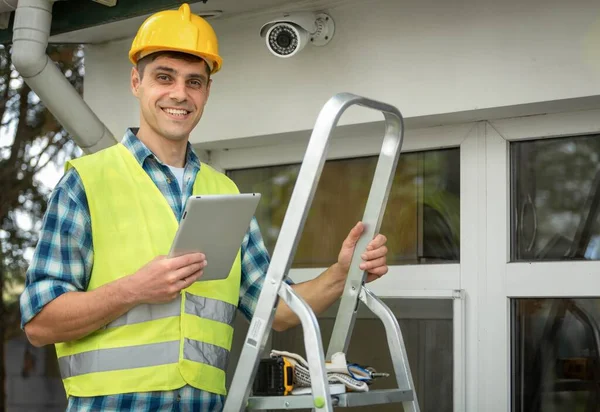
(215, 225)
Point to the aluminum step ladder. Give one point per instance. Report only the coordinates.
(320, 399)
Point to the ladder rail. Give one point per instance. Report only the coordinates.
(372, 218)
(314, 347)
(293, 224)
(395, 343)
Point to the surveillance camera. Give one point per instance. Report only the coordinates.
(288, 35)
(285, 39)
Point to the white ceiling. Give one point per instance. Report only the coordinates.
(230, 9)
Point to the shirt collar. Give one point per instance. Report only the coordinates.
(141, 152)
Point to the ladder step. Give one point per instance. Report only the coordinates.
(344, 400)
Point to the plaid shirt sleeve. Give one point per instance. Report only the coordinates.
(255, 263)
(62, 260)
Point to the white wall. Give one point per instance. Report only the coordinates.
(427, 57)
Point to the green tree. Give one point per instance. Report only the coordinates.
(30, 141)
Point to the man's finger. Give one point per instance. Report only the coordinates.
(372, 264)
(186, 271)
(195, 276)
(189, 281)
(186, 260)
(379, 271)
(354, 235)
(374, 254)
(378, 241)
(371, 277)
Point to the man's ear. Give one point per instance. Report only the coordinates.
(135, 81)
(208, 89)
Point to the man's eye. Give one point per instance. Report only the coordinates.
(196, 83)
(162, 77)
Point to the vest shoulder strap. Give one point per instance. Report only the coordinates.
(94, 160)
(209, 179)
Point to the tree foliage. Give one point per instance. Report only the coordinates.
(31, 141)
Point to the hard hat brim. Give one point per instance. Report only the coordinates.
(214, 62)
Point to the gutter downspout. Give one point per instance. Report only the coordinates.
(6, 9)
(31, 31)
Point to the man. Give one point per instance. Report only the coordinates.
(133, 329)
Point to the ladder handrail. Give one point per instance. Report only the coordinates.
(372, 218)
(312, 166)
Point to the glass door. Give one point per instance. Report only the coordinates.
(543, 276)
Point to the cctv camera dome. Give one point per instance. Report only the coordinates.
(287, 35)
(285, 40)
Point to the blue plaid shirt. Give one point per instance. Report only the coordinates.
(62, 262)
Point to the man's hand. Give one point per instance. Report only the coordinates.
(321, 292)
(374, 257)
(162, 279)
(74, 315)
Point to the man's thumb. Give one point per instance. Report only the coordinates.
(354, 235)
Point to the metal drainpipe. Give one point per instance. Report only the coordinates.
(31, 31)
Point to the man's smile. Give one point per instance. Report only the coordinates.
(175, 113)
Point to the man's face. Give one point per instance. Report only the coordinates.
(172, 95)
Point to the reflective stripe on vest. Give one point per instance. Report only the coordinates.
(141, 356)
(147, 312)
(200, 306)
(207, 308)
(119, 358)
(206, 353)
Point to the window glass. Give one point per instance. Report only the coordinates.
(556, 199)
(427, 329)
(555, 355)
(421, 219)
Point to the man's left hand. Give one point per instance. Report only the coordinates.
(374, 257)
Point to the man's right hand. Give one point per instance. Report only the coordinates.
(162, 279)
(74, 315)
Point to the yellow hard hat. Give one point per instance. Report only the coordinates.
(177, 30)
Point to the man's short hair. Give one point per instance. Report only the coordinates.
(143, 62)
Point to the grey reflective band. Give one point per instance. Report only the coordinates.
(206, 353)
(200, 306)
(140, 356)
(212, 309)
(147, 312)
(119, 358)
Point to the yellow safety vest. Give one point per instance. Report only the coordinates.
(153, 347)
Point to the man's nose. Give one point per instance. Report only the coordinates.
(178, 91)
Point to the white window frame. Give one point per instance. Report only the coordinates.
(506, 280)
(459, 281)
